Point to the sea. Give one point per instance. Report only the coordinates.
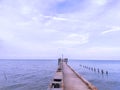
(37, 74)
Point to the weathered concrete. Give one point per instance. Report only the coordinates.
(67, 79)
(57, 82)
(72, 81)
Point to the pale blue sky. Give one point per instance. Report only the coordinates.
(81, 29)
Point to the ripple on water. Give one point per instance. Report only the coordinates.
(13, 87)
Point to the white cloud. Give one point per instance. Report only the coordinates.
(99, 53)
(101, 2)
(0, 6)
(103, 49)
(22, 24)
(36, 27)
(6, 36)
(60, 0)
(74, 39)
(59, 18)
(50, 17)
(51, 31)
(112, 29)
(26, 10)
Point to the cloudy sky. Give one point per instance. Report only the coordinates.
(81, 29)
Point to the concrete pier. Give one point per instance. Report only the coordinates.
(67, 79)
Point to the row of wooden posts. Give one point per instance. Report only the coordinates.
(95, 69)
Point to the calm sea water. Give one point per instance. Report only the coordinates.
(36, 75)
(102, 82)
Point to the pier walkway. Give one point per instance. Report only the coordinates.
(67, 79)
(72, 81)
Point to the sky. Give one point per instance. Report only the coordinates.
(79, 29)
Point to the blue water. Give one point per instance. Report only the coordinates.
(101, 81)
(37, 74)
(26, 75)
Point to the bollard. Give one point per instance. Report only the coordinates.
(106, 72)
(102, 72)
(94, 70)
(98, 70)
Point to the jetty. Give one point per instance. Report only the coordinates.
(66, 78)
